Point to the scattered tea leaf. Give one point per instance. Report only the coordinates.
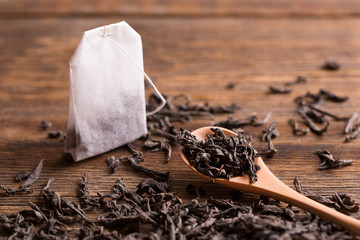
(85, 193)
(299, 79)
(45, 125)
(328, 160)
(313, 127)
(12, 191)
(354, 134)
(276, 90)
(159, 145)
(270, 133)
(296, 129)
(329, 96)
(55, 134)
(150, 186)
(331, 64)
(113, 163)
(350, 124)
(34, 175)
(133, 161)
(21, 175)
(230, 85)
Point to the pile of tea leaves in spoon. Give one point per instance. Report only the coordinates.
(219, 156)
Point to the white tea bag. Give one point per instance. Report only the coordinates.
(107, 99)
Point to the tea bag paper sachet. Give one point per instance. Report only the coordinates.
(107, 99)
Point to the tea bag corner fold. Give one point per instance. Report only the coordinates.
(107, 99)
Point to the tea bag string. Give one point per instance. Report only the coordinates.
(163, 101)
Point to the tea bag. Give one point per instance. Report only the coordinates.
(107, 99)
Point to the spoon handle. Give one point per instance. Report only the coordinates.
(282, 192)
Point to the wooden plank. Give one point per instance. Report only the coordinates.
(194, 56)
(332, 8)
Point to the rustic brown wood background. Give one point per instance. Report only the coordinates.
(193, 47)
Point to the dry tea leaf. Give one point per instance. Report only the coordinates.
(331, 64)
(45, 125)
(159, 145)
(33, 176)
(21, 175)
(328, 160)
(218, 156)
(276, 90)
(113, 163)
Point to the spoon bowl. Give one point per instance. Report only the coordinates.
(269, 185)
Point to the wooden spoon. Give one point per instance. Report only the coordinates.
(269, 185)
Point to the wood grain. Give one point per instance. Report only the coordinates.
(180, 8)
(198, 56)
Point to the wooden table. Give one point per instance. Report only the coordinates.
(193, 47)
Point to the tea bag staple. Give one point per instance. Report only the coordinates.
(107, 97)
